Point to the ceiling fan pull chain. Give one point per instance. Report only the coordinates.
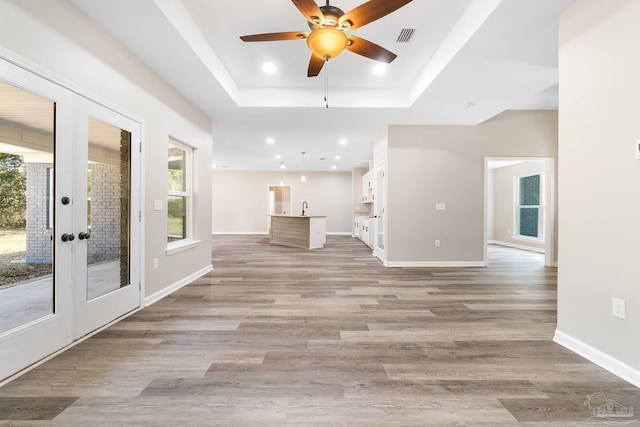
(326, 84)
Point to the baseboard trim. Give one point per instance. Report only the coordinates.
(616, 367)
(515, 246)
(240, 233)
(266, 233)
(435, 264)
(151, 299)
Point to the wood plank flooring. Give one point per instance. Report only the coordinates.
(278, 336)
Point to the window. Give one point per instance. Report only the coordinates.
(179, 210)
(530, 208)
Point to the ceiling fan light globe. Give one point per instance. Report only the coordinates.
(327, 43)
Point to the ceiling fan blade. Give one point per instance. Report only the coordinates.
(315, 66)
(271, 37)
(310, 10)
(370, 50)
(368, 12)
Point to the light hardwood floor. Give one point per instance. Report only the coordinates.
(278, 336)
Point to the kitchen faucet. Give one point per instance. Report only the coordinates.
(303, 205)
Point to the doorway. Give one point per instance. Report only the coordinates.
(279, 200)
(74, 259)
(520, 205)
(378, 213)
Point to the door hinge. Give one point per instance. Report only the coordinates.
(139, 216)
(139, 285)
(140, 146)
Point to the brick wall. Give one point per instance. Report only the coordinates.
(106, 227)
(38, 233)
(104, 244)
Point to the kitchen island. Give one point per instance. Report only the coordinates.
(304, 231)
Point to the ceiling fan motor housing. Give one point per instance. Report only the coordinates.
(331, 16)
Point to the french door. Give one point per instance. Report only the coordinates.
(69, 225)
(105, 229)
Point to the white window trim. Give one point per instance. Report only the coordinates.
(181, 245)
(188, 242)
(541, 211)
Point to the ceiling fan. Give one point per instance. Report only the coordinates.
(328, 39)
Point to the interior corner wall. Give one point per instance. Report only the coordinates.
(600, 183)
(241, 199)
(445, 164)
(59, 39)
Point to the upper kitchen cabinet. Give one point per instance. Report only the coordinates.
(367, 188)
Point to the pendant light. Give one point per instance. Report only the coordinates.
(303, 178)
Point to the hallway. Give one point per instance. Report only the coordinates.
(286, 337)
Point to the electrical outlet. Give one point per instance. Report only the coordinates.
(437, 243)
(155, 263)
(618, 308)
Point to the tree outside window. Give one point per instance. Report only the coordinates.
(179, 192)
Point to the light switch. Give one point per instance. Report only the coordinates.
(440, 206)
(157, 205)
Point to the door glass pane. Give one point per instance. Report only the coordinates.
(26, 206)
(108, 213)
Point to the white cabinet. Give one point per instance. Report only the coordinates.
(367, 187)
(363, 225)
(365, 230)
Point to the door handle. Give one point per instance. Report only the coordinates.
(84, 235)
(68, 237)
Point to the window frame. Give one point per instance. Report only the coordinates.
(188, 241)
(541, 207)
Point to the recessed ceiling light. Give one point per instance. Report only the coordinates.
(278, 156)
(282, 166)
(270, 140)
(334, 167)
(379, 69)
(337, 157)
(269, 67)
(213, 166)
(343, 141)
(469, 105)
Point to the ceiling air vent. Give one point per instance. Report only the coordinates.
(405, 35)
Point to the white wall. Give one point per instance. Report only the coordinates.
(600, 183)
(504, 202)
(430, 164)
(57, 37)
(241, 199)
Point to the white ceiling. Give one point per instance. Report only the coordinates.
(493, 54)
